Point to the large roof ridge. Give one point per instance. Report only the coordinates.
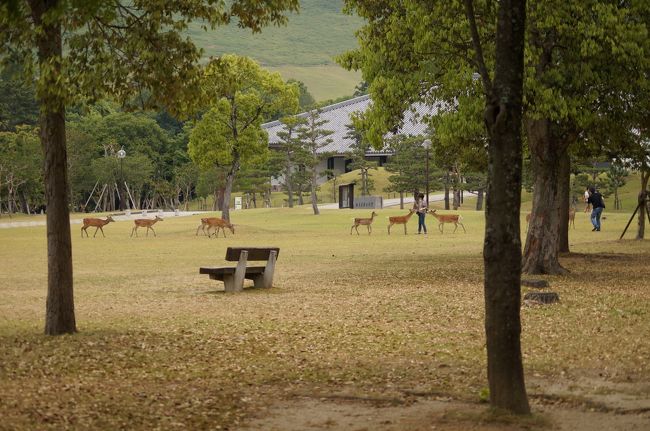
(324, 109)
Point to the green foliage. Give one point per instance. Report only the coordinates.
(21, 159)
(241, 95)
(408, 167)
(17, 100)
(130, 49)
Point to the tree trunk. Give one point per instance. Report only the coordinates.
(230, 179)
(643, 203)
(479, 199)
(401, 200)
(23, 201)
(288, 182)
(59, 310)
(541, 254)
(447, 193)
(502, 244)
(564, 189)
(314, 198)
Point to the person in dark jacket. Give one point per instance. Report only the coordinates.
(597, 205)
(421, 208)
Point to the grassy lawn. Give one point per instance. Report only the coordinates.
(161, 347)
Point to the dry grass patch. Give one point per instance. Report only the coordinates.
(161, 347)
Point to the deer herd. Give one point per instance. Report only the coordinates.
(403, 220)
(209, 223)
(217, 224)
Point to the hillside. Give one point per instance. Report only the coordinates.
(304, 49)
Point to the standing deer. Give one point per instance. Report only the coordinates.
(145, 222)
(97, 223)
(212, 222)
(447, 218)
(400, 220)
(363, 222)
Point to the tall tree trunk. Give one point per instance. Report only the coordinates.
(479, 199)
(564, 190)
(447, 192)
(541, 253)
(314, 198)
(230, 179)
(502, 244)
(643, 203)
(23, 201)
(401, 200)
(59, 309)
(289, 185)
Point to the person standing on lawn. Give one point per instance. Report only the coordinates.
(598, 205)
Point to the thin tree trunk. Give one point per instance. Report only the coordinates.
(401, 200)
(447, 193)
(230, 179)
(23, 201)
(479, 199)
(541, 253)
(314, 198)
(564, 189)
(643, 202)
(59, 310)
(502, 244)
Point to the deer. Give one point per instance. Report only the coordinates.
(97, 223)
(363, 222)
(145, 222)
(572, 218)
(219, 223)
(400, 220)
(447, 218)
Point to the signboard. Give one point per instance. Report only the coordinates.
(237, 202)
(369, 202)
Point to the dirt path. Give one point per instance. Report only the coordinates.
(585, 404)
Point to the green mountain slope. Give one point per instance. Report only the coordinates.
(304, 49)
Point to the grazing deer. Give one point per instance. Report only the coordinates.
(212, 222)
(97, 223)
(363, 222)
(400, 220)
(145, 222)
(447, 218)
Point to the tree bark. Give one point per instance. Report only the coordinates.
(643, 203)
(230, 179)
(479, 199)
(541, 253)
(59, 309)
(447, 193)
(502, 244)
(288, 183)
(314, 198)
(564, 190)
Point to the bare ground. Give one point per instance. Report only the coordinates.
(579, 404)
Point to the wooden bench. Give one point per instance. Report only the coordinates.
(233, 277)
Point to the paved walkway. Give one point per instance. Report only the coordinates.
(389, 202)
(138, 214)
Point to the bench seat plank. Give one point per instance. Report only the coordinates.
(231, 270)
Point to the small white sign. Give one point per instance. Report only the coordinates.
(237, 202)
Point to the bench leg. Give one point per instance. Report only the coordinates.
(230, 285)
(266, 279)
